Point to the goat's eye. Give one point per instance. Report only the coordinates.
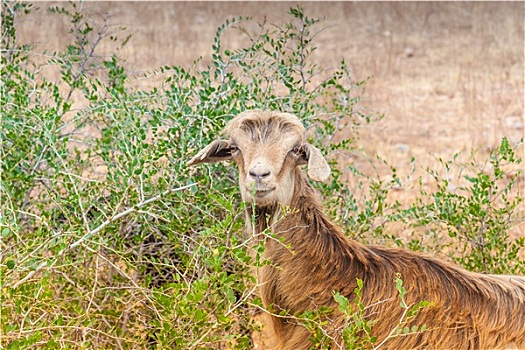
(233, 149)
(296, 151)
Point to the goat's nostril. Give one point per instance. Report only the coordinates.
(259, 174)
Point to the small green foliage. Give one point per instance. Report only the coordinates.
(357, 331)
(411, 312)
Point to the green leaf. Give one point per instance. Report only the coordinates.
(342, 301)
(6, 232)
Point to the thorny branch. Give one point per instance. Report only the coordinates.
(100, 228)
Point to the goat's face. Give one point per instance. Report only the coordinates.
(267, 147)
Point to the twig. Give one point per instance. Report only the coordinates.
(216, 324)
(99, 228)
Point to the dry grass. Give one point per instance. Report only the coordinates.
(449, 77)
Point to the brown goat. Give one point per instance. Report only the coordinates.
(467, 310)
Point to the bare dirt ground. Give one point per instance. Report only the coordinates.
(448, 76)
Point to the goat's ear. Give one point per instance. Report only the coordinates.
(215, 152)
(318, 169)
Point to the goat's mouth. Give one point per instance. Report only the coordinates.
(263, 193)
(260, 188)
(261, 196)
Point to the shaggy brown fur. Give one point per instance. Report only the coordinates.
(468, 310)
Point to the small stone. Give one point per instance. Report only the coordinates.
(408, 51)
(401, 147)
(514, 122)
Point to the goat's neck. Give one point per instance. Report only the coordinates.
(260, 219)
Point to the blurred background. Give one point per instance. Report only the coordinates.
(448, 76)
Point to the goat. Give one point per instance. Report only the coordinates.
(313, 258)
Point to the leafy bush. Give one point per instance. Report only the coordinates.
(108, 239)
(479, 208)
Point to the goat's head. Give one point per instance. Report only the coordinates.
(267, 147)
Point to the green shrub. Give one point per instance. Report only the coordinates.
(478, 205)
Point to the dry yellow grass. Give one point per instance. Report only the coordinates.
(448, 76)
